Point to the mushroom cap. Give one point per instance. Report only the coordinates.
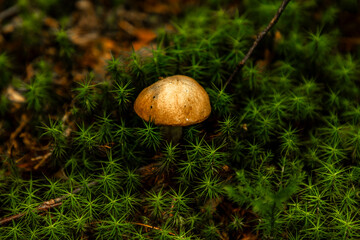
(174, 101)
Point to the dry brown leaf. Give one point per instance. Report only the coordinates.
(81, 37)
(86, 28)
(25, 166)
(127, 27)
(14, 96)
(145, 36)
(87, 15)
(8, 28)
(51, 51)
(131, 15)
(158, 7)
(51, 22)
(249, 236)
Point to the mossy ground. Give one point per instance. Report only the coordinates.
(278, 158)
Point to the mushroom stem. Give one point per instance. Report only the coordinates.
(171, 133)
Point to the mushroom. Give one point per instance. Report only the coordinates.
(173, 102)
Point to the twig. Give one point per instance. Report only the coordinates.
(258, 39)
(152, 227)
(25, 119)
(9, 12)
(58, 201)
(47, 204)
(42, 159)
(13, 217)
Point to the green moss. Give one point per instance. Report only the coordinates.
(278, 156)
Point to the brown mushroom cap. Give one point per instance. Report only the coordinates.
(175, 101)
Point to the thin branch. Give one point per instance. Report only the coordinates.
(152, 227)
(9, 12)
(58, 201)
(47, 204)
(13, 217)
(257, 40)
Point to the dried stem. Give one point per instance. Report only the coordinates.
(58, 201)
(152, 227)
(257, 40)
(47, 204)
(9, 12)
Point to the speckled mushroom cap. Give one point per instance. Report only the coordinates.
(175, 101)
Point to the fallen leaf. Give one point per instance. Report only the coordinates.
(249, 236)
(87, 26)
(127, 27)
(8, 28)
(81, 37)
(51, 22)
(144, 36)
(14, 96)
